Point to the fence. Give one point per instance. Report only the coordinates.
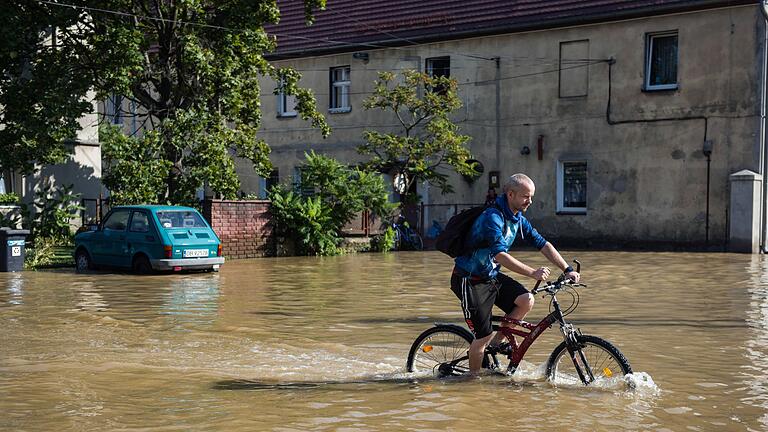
(94, 209)
(433, 217)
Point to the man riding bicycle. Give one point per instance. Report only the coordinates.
(476, 279)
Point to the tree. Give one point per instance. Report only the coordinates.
(42, 91)
(428, 140)
(192, 69)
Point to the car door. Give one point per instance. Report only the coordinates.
(141, 236)
(115, 250)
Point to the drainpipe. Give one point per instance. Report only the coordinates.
(763, 161)
(498, 113)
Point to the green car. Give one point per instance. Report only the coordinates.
(149, 238)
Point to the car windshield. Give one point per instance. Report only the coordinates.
(180, 219)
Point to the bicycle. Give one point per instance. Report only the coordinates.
(406, 238)
(443, 349)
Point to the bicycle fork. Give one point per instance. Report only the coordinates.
(577, 354)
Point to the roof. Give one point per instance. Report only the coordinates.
(155, 208)
(352, 25)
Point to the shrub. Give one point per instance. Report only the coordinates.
(51, 211)
(8, 198)
(383, 242)
(339, 194)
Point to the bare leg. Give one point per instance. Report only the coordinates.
(476, 351)
(523, 305)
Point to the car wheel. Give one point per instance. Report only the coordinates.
(141, 265)
(83, 261)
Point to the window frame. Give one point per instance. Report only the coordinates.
(560, 86)
(335, 106)
(113, 109)
(561, 207)
(649, 39)
(133, 217)
(429, 66)
(112, 215)
(282, 104)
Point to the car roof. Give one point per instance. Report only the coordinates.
(155, 208)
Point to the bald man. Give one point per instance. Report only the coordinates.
(476, 279)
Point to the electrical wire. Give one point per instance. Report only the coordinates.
(229, 29)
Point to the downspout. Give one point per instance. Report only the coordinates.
(763, 142)
(498, 113)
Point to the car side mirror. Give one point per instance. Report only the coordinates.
(94, 227)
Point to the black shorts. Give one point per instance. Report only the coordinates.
(478, 298)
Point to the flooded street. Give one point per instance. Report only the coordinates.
(300, 344)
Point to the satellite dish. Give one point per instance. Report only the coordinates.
(400, 182)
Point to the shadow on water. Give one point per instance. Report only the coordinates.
(372, 383)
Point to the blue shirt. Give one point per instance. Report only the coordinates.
(493, 233)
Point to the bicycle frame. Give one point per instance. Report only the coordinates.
(530, 332)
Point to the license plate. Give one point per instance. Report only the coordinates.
(195, 253)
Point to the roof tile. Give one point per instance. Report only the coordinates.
(354, 24)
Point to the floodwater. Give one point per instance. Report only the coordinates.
(320, 344)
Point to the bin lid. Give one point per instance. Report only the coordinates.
(6, 232)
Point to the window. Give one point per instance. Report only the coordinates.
(180, 219)
(266, 184)
(117, 221)
(300, 185)
(286, 105)
(340, 84)
(139, 222)
(113, 111)
(661, 61)
(572, 187)
(438, 66)
(574, 69)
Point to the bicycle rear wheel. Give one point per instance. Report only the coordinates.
(440, 351)
(595, 360)
(416, 241)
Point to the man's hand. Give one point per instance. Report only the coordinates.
(542, 273)
(573, 275)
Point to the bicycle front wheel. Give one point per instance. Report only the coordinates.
(594, 360)
(440, 351)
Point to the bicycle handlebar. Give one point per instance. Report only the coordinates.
(561, 280)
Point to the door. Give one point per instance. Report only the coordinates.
(141, 236)
(115, 249)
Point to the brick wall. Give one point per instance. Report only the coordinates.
(244, 227)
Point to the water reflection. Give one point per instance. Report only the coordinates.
(755, 373)
(14, 287)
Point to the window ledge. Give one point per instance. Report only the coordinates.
(340, 110)
(664, 88)
(286, 115)
(571, 212)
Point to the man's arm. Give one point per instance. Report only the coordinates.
(555, 258)
(511, 263)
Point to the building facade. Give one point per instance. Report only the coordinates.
(630, 120)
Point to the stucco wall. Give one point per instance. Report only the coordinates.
(647, 181)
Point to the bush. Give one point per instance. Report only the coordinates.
(8, 198)
(314, 222)
(383, 242)
(41, 254)
(51, 211)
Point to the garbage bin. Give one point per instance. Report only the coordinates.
(12, 243)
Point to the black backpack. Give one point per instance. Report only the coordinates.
(452, 240)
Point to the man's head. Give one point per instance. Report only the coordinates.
(519, 190)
